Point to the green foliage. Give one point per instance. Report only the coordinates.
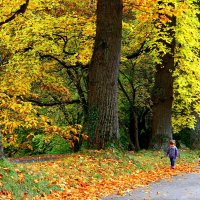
(188, 137)
(189, 155)
(20, 183)
(35, 53)
(152, 25)
(56, 145)
(37, 143)
(183, 137)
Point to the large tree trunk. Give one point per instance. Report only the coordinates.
(162, 106)
(162, 96)
(103, 74)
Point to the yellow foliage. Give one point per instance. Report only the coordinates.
(52, 32)
(48, 27)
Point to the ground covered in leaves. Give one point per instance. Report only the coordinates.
(88, 174)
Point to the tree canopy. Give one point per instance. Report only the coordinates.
(46, 49)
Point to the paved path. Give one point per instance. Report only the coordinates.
(182, 187)
(41, 158)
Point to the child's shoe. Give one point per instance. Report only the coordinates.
(172, 167)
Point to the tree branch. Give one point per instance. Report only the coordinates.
(21, 10)
(65, 40)
(125, 92)
(56, 103)
(138, 52)
(64, 65)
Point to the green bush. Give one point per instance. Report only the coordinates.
(57, 145)
(39, 145)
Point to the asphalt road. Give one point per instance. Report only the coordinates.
(183, 187)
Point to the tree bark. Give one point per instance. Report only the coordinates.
(162, 106)
(144, 128)
(133, 130)
(162, 96)
(102, 122)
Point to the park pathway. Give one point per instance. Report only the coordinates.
(181, 187)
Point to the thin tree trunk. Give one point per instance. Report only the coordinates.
(144, 128)
(133, 130)
(102, 123)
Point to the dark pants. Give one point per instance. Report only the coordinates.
(172, 160)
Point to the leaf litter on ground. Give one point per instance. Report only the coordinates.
(94, 174)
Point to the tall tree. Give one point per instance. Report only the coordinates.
(103, 75)
(162, 96)
(172, 43)
(177, 75)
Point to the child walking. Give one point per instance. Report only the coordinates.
(172, 152)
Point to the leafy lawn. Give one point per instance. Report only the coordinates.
(89, 174)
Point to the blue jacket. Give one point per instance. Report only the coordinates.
(172, 152)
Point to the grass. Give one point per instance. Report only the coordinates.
(92, 174)
(17, 183)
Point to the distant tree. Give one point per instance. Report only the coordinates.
(162, 96)
(176, 91)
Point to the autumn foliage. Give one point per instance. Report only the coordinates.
(46, 48)
(94, 174)
(45, 56)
